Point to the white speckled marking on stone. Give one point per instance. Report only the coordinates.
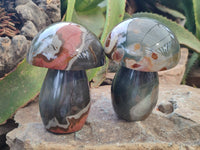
(53, 48)
(141, 108)
(122, 27)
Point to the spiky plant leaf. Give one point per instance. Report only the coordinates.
(114, 15)
(193, 59)
(18, 88)
(196, 5)
(170, 11)
(85, 5)
(70, 10)
(93, 20)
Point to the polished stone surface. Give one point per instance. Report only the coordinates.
(134, 93)
(64, 100)
(143, 44)
(66, 46)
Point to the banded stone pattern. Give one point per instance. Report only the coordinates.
(134, 93)
(143, 44)
(64, 100)
(66, 46)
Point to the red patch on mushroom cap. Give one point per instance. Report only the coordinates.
(135, 66)
(164, 68)
(154, 56)
(117, 56)
(71, 37)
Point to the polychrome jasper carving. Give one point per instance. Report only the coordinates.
(142, 46)
(134, 93)
(66, 46)
(67, 49)
(64, 100)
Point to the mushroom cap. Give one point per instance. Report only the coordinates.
(143, 44)
(66, 46)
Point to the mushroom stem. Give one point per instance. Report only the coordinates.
(134, 93)
(64, 100)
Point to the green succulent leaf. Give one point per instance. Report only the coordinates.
(195, 56)
(196, 4)
(85, 5)
(184, 36)
(190, 63)
(172, 12)
(187, 6)
(126, 16)
(173, 4)
(18, 88)
(70, 10)
(114, 15)
(93, 20)
(173, 7)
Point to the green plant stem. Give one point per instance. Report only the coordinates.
(196, 5)
(70, 9)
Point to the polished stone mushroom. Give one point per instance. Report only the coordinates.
(67, 49)
(142, 46)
